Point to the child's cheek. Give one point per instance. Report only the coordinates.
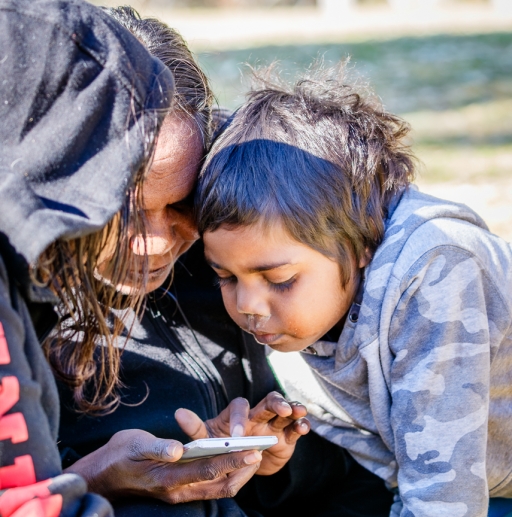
(305, 323)
(229, 299)
(291, 319)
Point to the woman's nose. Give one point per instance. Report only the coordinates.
(165, 231)
(152, 245)
(159, 236)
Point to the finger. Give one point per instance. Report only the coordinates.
(298, 411)
(273, 404)
(222, 487)
(292, 433)
(229, 485)
(209, 469)
(238, 415)
(148, 447)
(219, 426)
(191, 424)
(299, 428)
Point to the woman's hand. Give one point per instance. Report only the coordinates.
(272, 416)
(135, 462)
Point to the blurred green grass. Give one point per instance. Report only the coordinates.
(410, 74)
(456, 90)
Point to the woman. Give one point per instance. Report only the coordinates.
(81, 104)
(170, 231)
(191, 355)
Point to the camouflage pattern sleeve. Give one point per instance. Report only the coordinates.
(443, 340)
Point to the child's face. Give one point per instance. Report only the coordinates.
(285, 293)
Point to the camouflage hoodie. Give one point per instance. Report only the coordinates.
(419, 386)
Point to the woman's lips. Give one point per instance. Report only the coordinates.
(153, 273)
(266, 339)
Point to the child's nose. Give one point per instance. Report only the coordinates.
(250, 303)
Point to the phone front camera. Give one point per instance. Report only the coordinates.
(226, 444)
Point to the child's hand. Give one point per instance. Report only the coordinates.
(272, 416)
(286, 420)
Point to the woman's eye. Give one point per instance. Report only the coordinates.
(282, 286)
(181, 208)
(185, 205)
(223, 281)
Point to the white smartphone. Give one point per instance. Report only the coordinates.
(208, 447)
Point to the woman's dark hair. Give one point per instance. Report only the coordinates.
(69, 268)
(93, 309)
(322, 156)
(193, 94)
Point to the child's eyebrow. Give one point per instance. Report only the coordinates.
(267, 267)
(256, 269)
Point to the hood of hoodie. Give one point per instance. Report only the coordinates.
(79, 99)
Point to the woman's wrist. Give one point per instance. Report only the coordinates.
(94, 469)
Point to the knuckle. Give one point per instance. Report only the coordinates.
(173, 498)
(209, 430)
(209, 472)
(233, 461)
(229, 490)
(135, 447)
(158, 448)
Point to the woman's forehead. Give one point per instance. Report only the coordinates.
(178, 156)
(179, 138)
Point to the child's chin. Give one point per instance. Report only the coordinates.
(286, 347)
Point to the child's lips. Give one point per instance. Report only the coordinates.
(264, 338)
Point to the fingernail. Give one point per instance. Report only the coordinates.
(254, 457)
(171, 450)
(284, 403)
(238, 430)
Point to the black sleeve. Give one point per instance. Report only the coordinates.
(31, 482)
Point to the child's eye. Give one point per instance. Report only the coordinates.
(223, 281)
(281, 287)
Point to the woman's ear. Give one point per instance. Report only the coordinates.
(366, 258)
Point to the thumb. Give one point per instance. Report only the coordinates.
(191, 424)
(148, 447)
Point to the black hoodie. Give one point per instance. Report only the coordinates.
(79, 97)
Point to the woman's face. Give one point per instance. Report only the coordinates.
(170, 228)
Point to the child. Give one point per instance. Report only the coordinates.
(399, 302)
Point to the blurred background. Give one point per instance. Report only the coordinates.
(444, 65)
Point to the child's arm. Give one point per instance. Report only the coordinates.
(442, 333)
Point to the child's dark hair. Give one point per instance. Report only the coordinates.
(322, 156)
